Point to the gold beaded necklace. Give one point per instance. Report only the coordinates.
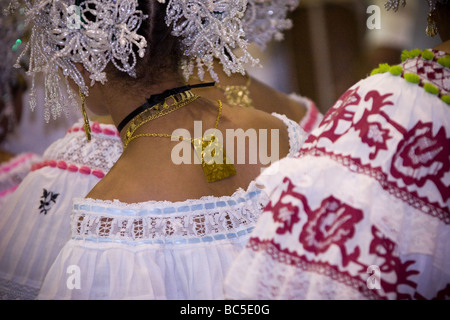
(180, 100)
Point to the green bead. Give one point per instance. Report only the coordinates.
(396, 70)
(430, 88)
(412, 77)
(382, 68)
(445, 61)
(446, 99)
(428, 55)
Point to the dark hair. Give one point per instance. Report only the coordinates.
(442, 16)
(163, 51)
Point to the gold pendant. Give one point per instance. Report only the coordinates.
(215, 163)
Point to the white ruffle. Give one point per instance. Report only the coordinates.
(297, 134)
(178, 254)
(120, 271)
(31, 238)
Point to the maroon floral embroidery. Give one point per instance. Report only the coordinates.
(370, 130)
(284, 212)
(288, 257)
(341, 111)
(385, 248)
(422, 156)
(379, 102)
(443, 294)
(332, 223)
(375, 136)
(412, 198)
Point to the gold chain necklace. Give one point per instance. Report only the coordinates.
(215, 163)
(180, 100)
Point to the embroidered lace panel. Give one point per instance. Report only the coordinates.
(297, 135)
(193, 221)
(100, 153)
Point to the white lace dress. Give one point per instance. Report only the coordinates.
(156, 249)
(34, 223)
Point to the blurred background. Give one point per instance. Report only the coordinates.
(329, 48)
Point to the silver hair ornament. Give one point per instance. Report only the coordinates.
(93, 34)
(222, 30)
(210, 29)
(265, 20)
(101, 31)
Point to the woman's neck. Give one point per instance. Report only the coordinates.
(120, 100)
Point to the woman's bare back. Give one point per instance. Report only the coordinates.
(148, 169)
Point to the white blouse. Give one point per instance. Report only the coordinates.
(34, 223)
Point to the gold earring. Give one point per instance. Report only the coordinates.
(238, 95)
(87, 127)
(432, 29)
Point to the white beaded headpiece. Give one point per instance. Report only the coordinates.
(93, 34)
(265, 20)
(213, 29)
(98, 32)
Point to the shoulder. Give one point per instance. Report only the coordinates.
(247, 118)
(261, 123)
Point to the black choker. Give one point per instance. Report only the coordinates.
(158, 98)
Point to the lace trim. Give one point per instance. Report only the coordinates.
(297, 135)
(96, 127)
(192, 221)
(10, 290)
(99, 154)
(313, 279)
